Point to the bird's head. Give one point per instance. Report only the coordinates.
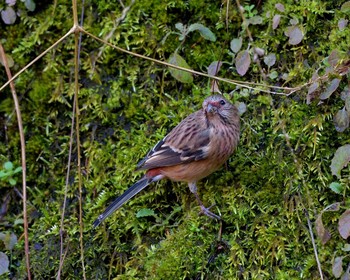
(217, 105)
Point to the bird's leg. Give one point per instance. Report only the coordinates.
(204, 210)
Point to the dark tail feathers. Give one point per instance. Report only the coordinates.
(128, 194)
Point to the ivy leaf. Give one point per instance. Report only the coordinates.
(242, 62)
(337, 267)
(8, 15)
(295, 35)
(204, 31)
(276, 21)
(340, 160)
(344, 224)
(180, 75)
(145, 213)
(270, 59)
(330, 89)
(4, 263)
(236, 44)
(322, 233)
(341, 120)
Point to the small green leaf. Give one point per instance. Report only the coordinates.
(346, 247)
(255, 20)
(345, 7)
(179, 26)
(242, 107)
(340, 160)
(8, 165)
(180, 75)
(18, 169)
(30, 5)
(204, 31)
(270, 59)
(336, 187)
(145, 213)
(236, 44)
(273, 75)
(10, 61)
(12, 182)
(19, 222)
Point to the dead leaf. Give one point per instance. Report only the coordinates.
(344, 224)
(340, 160)
(242, 62)
(322, 233)
(337, 267)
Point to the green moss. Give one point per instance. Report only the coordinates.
(127, 104)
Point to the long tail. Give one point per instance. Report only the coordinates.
(128, 194)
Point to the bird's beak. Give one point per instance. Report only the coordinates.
(212, 108)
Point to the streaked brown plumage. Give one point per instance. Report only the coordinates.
(195, 148)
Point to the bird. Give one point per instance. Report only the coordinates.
(199, 145)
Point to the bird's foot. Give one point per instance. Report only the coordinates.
(208, 213)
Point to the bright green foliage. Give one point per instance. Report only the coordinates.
(280, 171)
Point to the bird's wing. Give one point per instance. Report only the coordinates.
(189, 141)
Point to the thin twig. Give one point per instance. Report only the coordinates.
(298, 166)
(313, 242)
(38, 57)
(65, 193)
(23, 159)
(77, 129)
(116, 25)
(248, 85)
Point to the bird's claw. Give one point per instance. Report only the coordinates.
(208, 213)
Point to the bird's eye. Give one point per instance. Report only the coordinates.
(222, 102)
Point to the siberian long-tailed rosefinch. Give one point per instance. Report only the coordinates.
(195, 148)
